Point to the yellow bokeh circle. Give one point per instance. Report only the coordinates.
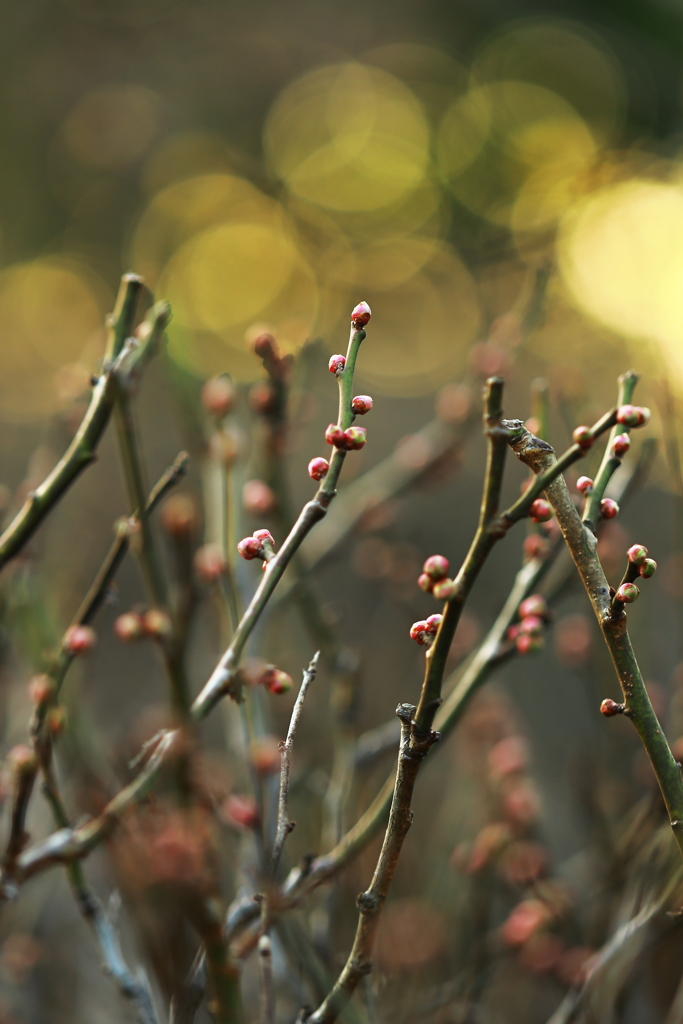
(348, 137)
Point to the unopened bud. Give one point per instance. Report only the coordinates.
(536, 546)
(529, 643)
(541, 510)
(41, 689)
(317, 468)
(648, 568)
(533, 605)
(643, 416)
(178, 515)
(627, 593)
(128, 627)
(584, 484)
(361, 404)
(433, 623)
(241, 811)
(22, 760)
(583, 437)
(79, 640)
(609, 708)
(156, 624)
(265, 345)
(637, 554)
(250, 548)
(56, 720)
(445, 590)
(628, 415)
(355, 438)
(258, 498)
(425, 583)
(209, 563)
(336, 364)
(609, 508)
(620, 445)
(263, 397)
(532, 624)
(360, 315)
(275, 680)
(335, 435)
(419, 632)
(218, 396)
(436, 567)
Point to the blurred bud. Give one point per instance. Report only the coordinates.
(487, 359)
(529, 643)
(241, 811)
(532, 624)
(419, 632)
(508, 757)
(179, 515)
(264, 754)
(523, 862)
(535, 604)
(156, 624)
(22, 760)
(489, 842)
(541, 953)
(627, 415)
(41, 689)
(258, 499)
(56, 720)
(224, 448)
(526, 918)
(536, 546)
(453, 403)
(573, 965)
(425, 583)
(620, 445)
(275, 680)
(360, 315)
(263, 397)
(209, 563)
(79, 640)
(446, 590)
(128, 627)
(265, 346)
(521, 805)
(219, 396)
(572, 639)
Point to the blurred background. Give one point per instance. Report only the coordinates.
(503, 183)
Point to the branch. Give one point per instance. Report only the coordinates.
(81, 451)
(581, 542)
(24, 770)
(610, 462)
(284, 825)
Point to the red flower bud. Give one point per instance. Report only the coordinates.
(445, 590)
(627, 593)
(22, 760)
(436, 567)
(360, 315)
(156, 624)
(643, 416)
(541, 510)
(425, 583)
(41, 689)
(512, 632)
(528, 643)
(637, 554)
(609, 708)
(584, 484)
(56, 720)
(241, 811)
(128, 627)
(433, 623)
(337, 363)
(628, 415)
(535, 546)
(250, 548)
(620, 445)
(265, 345)
(79, 639)
(583, 437)
(533, 605)
(531, 624)
(277, 681)
(608, 508)
(648, 568)
(265, 536)
(258, 499)
(419, 631)
(209, 563)
(361, 404)
(317, 468)
(355, 438)
(218, 396)
(335, 435)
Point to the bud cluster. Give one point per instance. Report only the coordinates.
(434, 578)
(351, 439)
(260, 545)
(132, 626)
(527, 634)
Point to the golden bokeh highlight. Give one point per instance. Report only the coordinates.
(52, 316)
(348, 137)
(621, 255)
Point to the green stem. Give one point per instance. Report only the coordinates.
(610, 462)
(81, 451)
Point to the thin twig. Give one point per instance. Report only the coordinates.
(81, 451)
(284, 825)
(267, 1003)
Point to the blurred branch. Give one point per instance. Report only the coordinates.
(81, 451)
(284, 825)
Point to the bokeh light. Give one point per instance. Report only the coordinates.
(112, 127)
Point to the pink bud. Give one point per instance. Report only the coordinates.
(419, 631)
(528, 643)
(628, 415)
(79, 639)
(258, 498)
(533, 605)
(361, 404)
(128, 627)
(620, 445)
(264, 536)
(337, 363)
(643, 416)
(335, 435)
(536, 546)
(209, 563)
(355, 438)
(425, 583)
(360, 315)
(445, 590)
(250, 548)
(277, 681)
(627, 593)
(317, 468)
(583, 437)
(241, 811)
(22, 760)
(156, 624)
(433, 623)
(531, 624)
(541, 510)
(436, 567)
(263, 397)
(609, 508)
(648, 568)
(41, 689)
(218, 396)
(637, 554)
(584, 484)
(265, 345)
